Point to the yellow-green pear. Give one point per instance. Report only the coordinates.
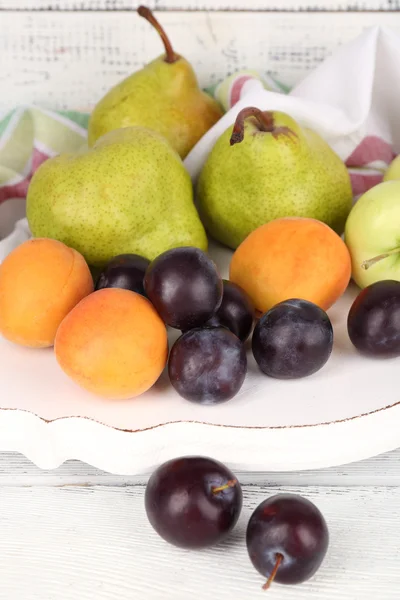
(393, 171)
(130, 193)
(163, 96)
(265, 167)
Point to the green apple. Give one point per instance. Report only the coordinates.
(393, 172)
(372, 234)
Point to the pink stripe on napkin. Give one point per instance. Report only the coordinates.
(371, 149)
(362, 182)
(20, 189)
(236, 89)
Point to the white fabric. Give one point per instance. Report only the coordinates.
(19, 235)
(353, 93)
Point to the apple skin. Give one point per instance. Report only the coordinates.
(373, 228)
(393, 171)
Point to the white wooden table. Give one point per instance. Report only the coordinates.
(77, 533)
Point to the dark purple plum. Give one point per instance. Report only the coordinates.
(124, 271)
(207, 365)
(236, 312)
(287, 539)
(184, 286)
(373, 322)
(293, 339)
(193, 501)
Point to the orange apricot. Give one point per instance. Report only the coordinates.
(40, 282)
(113, 344)
(292, 257)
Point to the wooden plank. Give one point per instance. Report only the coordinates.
(69, 60)
(270, 5)
(383, 470)
(97, 543)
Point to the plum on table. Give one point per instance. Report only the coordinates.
(287, 539)
(193, 501)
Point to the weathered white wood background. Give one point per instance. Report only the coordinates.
(77, 533)
(196, 5)
(65, 58)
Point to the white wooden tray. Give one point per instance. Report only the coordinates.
(348, 411)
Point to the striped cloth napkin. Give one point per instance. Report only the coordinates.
(28, 136)
(351, 99)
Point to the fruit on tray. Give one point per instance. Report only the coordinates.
(393, 171)
(184, 286)
(207, 365)
(113, 344)
(193, 501)
(265, 167)
(372, 234)
(40, 282)
(373, 321)
(293, 339)
(236, 312)
(287, 539)
(129, 194)
(292, 258)
(125, 271)
(163, 96)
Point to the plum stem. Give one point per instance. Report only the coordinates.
(229, 484)
(279, 559)
(146, 13)
(369, 263)
(265, 122)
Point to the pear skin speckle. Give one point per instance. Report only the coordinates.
(129, 194)
(271, 175)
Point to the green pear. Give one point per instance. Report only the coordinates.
(163, 96)
(372, 234)
(130, 193)
(393, 171)
(265, 167)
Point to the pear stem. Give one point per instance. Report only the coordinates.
(229, 484)
(279, 559)
(265, 122)
(146, 13)
(372, 261)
